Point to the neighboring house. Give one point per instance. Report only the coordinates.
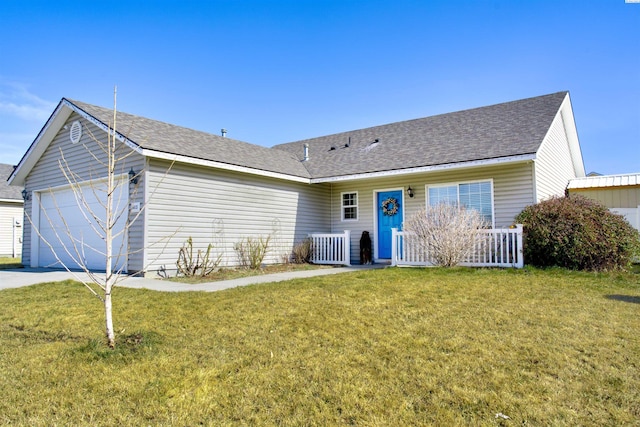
(497, 159)
(11, 215)
(620, 193)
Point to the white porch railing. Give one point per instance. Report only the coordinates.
(495, 247)
(331, 248)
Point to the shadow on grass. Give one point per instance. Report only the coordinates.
(137, 343)
(32, 336)
(625, 298)
(11, 266)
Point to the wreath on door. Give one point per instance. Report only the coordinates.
(390, 206)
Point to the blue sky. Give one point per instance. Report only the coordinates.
(279, 71)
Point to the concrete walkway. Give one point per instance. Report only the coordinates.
(15, 278)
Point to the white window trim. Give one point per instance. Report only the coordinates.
(457, 184)
(342, 206)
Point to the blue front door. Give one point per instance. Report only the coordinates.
(389, 216)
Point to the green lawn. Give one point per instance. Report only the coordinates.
(393, 347)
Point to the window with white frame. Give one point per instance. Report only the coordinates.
(471, 195)
(350, 206)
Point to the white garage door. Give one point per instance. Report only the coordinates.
(73, 232)
(631, 214)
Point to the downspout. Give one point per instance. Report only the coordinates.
(331, 208)
(13, 240)
(534, 182)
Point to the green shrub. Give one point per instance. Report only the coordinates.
(577, 233)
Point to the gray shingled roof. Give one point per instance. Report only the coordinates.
(497, 131)
(168, 138)
(502, 130)
(8, 192)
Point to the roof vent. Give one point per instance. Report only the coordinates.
(75, 133)
(223, 132)
(306, 153)
(371, 145)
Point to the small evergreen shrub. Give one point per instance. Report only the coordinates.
(577, 233)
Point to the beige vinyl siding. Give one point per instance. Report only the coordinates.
(46, 174)
(135, 235)
(10, 233)
(554, 166)
(621, 200)
(223, 207)
(627, 197)
(26, 234)
(512, 190)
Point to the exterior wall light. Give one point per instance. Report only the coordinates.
(133, 178)
(410, 191)
(25, 195)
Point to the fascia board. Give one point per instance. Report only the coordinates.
(51, 128)
(183, 159)
(572, 135)
(120, 137)
(423, 169)
(219, 165)
(569, 125)
(40, 144)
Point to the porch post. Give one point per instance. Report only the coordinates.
(347, 248)
(520, 262)
(394, 247)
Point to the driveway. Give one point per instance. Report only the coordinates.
(15, 278)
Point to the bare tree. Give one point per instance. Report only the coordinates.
(445, 233)
(105, 218)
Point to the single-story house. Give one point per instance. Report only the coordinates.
(620, 193)
(497, 159)
(11, 215)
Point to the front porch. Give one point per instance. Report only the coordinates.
(496, 247)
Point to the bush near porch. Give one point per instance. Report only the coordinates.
(380, 347)
(578, 233)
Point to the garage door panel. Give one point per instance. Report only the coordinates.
(81, 240)
(630, 214)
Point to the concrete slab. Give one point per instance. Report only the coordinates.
(15, 278)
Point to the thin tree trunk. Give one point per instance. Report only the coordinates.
(111, 337)
(109, 276)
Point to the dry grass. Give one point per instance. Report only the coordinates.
(375, 348)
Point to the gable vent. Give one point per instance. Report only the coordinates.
(75, 133)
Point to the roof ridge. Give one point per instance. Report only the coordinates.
(137, 116)
(564, 93)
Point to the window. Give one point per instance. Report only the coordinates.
(472, 195)
(349, 206)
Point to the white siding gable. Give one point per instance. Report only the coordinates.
(46, 174)
(559, 158)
